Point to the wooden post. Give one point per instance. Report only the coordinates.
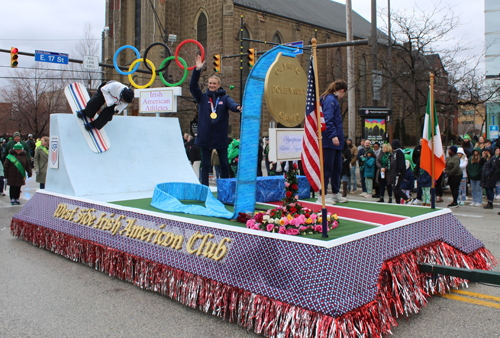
(320, 137)
(432, 130)
(351, 92)
(432, 112)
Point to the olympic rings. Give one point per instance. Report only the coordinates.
(182, 44)
(169, 52)
(152, 77)
(183, 78)
(116, 56)
(164, 65)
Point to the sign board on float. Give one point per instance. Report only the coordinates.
(158, 100)
(285, 144)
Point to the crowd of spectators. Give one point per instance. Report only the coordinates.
(390, 173)
(472, 169)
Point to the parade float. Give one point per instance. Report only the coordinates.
(136, 211)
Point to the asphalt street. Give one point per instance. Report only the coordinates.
(45, 295)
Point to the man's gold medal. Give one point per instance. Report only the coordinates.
(213, 116)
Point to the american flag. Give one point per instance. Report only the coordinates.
(310, 144)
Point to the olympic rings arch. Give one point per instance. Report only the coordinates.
(162, 68)
(152, 77)
(150, 66)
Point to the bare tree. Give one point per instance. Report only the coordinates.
(422, 44)
(35, 94)
(474, 93)
(89, 45)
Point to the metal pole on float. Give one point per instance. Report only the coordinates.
(351, 92)
(320, 141)
(241, 63)
(433, 190)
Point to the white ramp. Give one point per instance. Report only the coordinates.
(145, 151)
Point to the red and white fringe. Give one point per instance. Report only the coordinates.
(402, 288)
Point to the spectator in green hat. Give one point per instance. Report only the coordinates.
(16, 165)
(10, 145)
(467, 146)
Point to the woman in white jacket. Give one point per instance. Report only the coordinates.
(462, 192)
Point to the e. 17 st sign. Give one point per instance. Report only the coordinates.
(51, 57)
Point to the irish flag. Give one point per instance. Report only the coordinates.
(426, 154)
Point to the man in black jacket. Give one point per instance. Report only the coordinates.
(399, 171)
(454, 174)
(416, 171)
(489, 177)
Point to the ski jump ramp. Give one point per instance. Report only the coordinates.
(144, 151)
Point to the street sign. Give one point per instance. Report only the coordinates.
(494, 132)
(51, 57)
(297, 44)
(90, 62)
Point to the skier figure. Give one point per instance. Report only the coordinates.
(116, 95)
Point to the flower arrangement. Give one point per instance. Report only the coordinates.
(291, 185)
(292, 218)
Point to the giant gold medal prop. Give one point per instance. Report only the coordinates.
(285, 90)
(213, 116)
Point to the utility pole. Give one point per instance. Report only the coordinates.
(374, 51)
(389, 52)
(103, 37)
(351, 94)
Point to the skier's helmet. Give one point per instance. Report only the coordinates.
(127, 95)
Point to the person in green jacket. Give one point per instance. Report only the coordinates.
(232, 155)
(41, 161)
(1, 179)
(369, 172)
(16, 138)
(474, 169)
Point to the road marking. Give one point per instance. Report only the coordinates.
(473, 300)
(477, 295)
(464, 215)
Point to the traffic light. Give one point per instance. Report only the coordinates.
(251, 57)
(14, 57)
(217, 63)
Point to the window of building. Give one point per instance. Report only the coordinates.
(362, 79)
(308, 52)
(246, 45)
(338, 71)
(137, 41)
(202, 28)
(277, 38)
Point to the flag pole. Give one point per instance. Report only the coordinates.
(433, 189)
(320, 139)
